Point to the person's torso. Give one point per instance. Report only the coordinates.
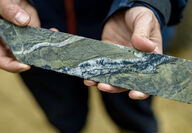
(89, 15)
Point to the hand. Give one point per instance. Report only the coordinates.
(137, 27)
(21, 13)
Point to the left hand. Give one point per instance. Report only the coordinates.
(136, 27)
(21, 13)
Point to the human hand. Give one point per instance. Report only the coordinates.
(137, 27)
(21, 13)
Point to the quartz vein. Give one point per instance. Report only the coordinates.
(47, 44)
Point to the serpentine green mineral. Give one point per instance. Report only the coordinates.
(155, 74)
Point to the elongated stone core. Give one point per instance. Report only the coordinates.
(155, 74)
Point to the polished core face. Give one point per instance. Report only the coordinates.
(155, 74)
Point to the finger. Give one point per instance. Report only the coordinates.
(90, 83)
(2, 43)
(157, 38)
(13, 13)
(8, 62)
(143, 44)
(137, 95)
(143, 26)
(109, 88)
(12, 65)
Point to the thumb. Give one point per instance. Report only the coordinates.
(12, 12)
(143, 26)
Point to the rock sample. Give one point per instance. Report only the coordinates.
(120, 66)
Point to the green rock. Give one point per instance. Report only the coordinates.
(121, 66)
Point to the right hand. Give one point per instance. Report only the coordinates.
(21, 13)
(136, 27)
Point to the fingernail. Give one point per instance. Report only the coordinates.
(90, 82)
(156, 50)
(24, 66)
(139, 94)
(54, 29)
(21, 17)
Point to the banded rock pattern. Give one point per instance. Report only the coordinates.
(155, 74)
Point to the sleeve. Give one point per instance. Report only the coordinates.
(161, 8)
(177, 11)
(31, 1)
(168, 12)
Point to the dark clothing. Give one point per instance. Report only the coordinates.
(64, 98)
(177, 11)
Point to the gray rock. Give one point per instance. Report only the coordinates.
(155, 74)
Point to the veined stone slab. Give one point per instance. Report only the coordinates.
(121, 66)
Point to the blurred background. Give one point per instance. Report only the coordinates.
(19, 112)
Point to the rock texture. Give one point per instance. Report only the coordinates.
(155, 74)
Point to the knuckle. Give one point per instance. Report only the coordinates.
(147, 16)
